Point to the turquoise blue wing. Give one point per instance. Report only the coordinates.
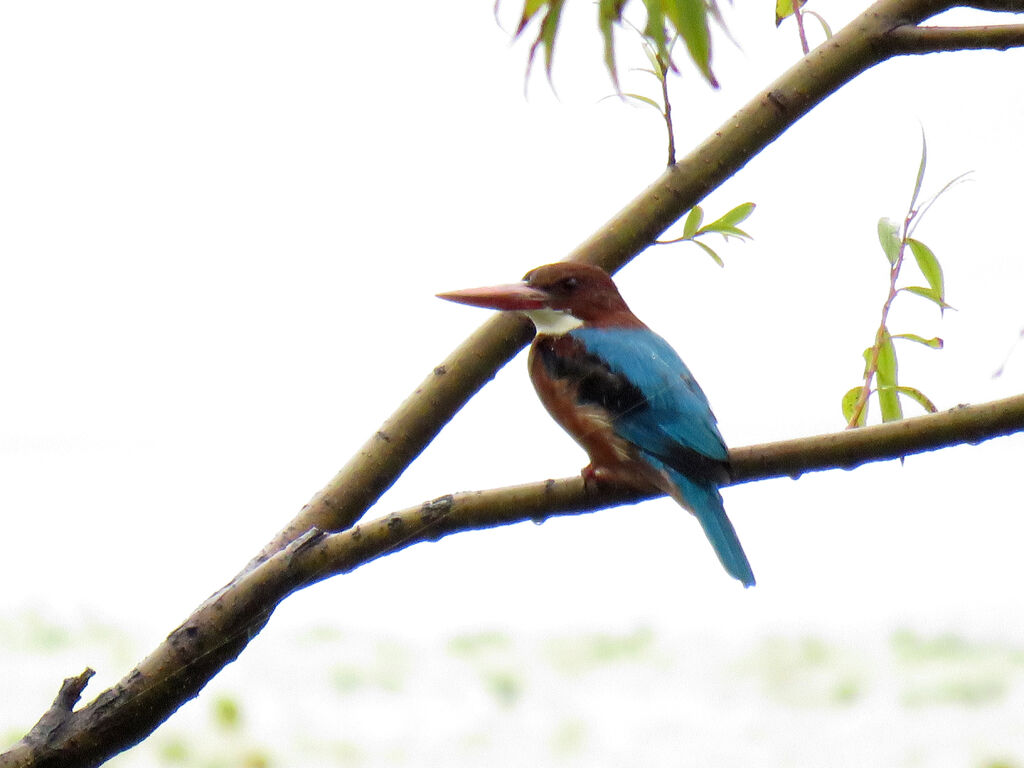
(676, 411)
(655, 403)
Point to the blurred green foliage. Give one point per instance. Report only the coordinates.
(568, 737)
(226, 713)
(807, 671)
(386, 670)
(576, 654)
(949, 669)
(475, 644)
(443, 688)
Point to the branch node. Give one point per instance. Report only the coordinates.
(61, 711)
(305, 541)
(436, 508)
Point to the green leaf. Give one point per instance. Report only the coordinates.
(650, 72)
(934, 343)
(738, 214)
(690, 18)
(887, 373)
(918, 396)
(783, 10)
(949, 185)
(887, 369)
(824, 24)
(644, 99)
(610, 12)
(548, 31)
(726, 224)
(929, 294)
(889, 403)
(889, 237)
(693, 220)
(725, 231)
(710, 252)
(850, 403)
(868, 355)
(654, 29)
(928, 265)
(920, 171)
(530, 8)
(659, 66)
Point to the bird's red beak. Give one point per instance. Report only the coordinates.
(508, 297)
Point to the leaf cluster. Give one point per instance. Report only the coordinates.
(881, 365)
(725, 225)
(665, 20)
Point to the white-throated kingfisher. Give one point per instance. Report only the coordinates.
(622, 393)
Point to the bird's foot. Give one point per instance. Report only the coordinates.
(593, 477)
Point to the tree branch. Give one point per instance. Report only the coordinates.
(474, 510)
(214, 635)
(909, 39)
(855, 48)
(998, 6)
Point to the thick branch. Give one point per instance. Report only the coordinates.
(910, 39)
(344, 552)
(217, 632)
(854, 49)
(408, 430)
(999, 6)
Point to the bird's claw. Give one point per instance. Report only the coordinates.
(593, 477)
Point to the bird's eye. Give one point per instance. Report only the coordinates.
(568, 284)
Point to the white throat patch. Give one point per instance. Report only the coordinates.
(553, 322)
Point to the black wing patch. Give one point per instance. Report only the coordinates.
(596, 384)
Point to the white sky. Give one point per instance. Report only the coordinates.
(221, 228)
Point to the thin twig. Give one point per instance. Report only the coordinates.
(910, 39)
(667, 113)
(798, 14)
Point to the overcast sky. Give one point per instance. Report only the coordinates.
(221, 229)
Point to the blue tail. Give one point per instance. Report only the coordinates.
(704, 500)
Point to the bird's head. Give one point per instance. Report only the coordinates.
(557, 297)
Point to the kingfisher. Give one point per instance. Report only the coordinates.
(622, 393)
